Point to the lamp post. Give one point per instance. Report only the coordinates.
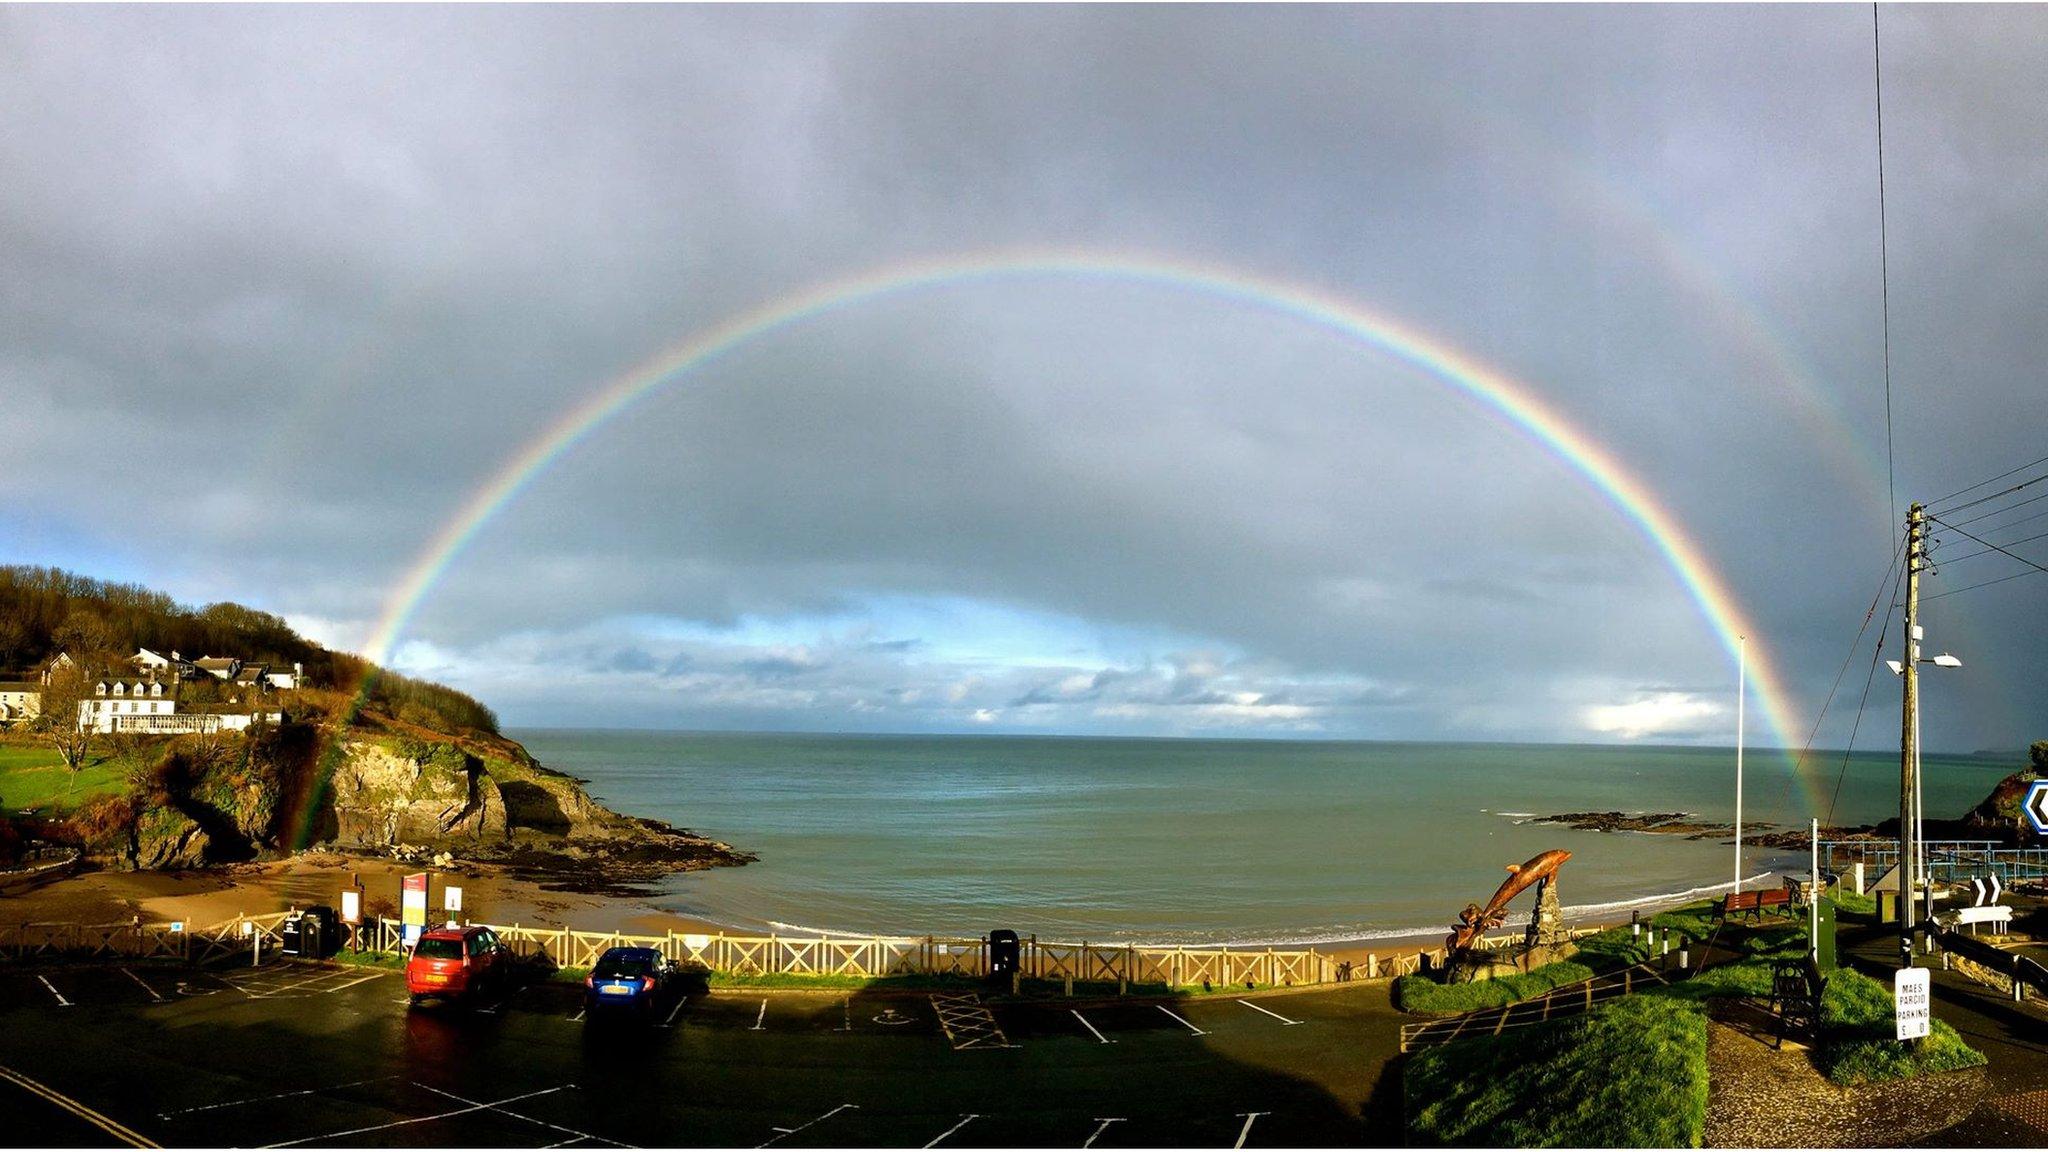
(1913, 872)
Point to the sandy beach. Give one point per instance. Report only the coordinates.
(490, 895)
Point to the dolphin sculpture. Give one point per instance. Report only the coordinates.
(1475, 920)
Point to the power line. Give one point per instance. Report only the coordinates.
(1989, 544)
(1993, 480)
(2021, 486)
(2008, 508)
(1884, 271)
(1868, 679)
(1989, 551)
(1981, 584)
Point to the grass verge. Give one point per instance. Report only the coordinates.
(1631, 1074)
(1421, 994)
(1856, 1037)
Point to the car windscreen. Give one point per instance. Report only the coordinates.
(439, 949)
(629, 965)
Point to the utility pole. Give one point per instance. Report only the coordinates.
(1909, 733)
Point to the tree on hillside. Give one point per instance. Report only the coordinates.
(70, 687)
(2037, 755)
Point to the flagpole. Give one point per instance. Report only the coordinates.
(1741, 690)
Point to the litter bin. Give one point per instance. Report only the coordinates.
(292, 934)
(1004, 952)
(319, 932)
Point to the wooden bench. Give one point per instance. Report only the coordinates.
(1753, 903)
(1796, 990)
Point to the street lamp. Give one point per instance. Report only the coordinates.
(1945, 660)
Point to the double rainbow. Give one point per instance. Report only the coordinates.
(1509, 400)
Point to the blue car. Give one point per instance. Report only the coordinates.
(628, 980)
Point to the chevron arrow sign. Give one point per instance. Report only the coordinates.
(2036, 806)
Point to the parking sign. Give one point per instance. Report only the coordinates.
(1912, 1003)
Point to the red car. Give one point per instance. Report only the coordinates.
(456, 963)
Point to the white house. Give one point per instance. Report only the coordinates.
(20, 702)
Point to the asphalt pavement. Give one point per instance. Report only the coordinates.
(298, 1055)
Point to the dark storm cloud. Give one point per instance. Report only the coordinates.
(321, 269)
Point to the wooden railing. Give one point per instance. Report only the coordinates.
(862, 957)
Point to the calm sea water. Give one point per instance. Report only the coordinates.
(1195, 841)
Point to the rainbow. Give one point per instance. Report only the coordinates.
(1509, 400)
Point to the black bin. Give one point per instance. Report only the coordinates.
(319, 932)
(1004, 952)
(292, 933)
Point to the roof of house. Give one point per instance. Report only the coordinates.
(212, 662)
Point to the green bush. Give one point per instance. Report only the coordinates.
(1856, 1037)
(1419, 993)
(1632, 1074)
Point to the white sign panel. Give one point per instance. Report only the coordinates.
(451, 898)
(351, 906)
(1912, 1003)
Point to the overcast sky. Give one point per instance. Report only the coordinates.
(280, 287)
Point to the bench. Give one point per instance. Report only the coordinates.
(1753, 903)
(1796, 990)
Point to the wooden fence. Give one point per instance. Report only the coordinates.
(863, 957)
(29, 942)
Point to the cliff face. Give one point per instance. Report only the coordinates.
(383, 792)
(383, 797)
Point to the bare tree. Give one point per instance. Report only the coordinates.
(61, 719)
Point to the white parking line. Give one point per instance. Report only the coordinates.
(146, 988)
(1101, 1125)
(1274, 1015)
(1179, 1017)
(846, 1007)
(61, 1001)
(273, 1096)
(953, 1129)
(1247, 1130)
(578, 1015)
(1090, 1027)
(419, 1119)
(674, 1012)
(763, 1016)
(781, 1132)
(573, 1133)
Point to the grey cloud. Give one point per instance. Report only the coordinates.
(348, 260)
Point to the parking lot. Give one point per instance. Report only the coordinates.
(292, 1055)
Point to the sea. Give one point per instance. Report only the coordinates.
(1193, 841)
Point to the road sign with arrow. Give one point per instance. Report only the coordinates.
(2036, 806)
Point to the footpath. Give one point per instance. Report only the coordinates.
(2013, 1110)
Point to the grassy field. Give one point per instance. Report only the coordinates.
(34, 777)
(1633, 1074)
(1857, 1029)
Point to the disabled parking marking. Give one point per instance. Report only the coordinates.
(61, 1001)
(1247, 1129)
(1274, 1015)
(1179, 1017)
(1100, 1038)
(574, 1134)
(955, 1128)
(273, 1096)
(153, 994)
(493, 1105)
(1102, 1124)
(967, 1022)
(781, 1132)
